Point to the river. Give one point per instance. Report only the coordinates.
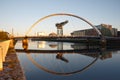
(68, 61)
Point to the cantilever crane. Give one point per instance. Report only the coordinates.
(60, 27)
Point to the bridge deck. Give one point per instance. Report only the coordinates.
(89, 39)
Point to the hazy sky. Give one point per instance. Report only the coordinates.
(19, 15)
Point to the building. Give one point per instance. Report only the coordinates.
(52, 34)
(86, 32)
(118, 33)
(114, 32)
(40, 34)
(105, 29)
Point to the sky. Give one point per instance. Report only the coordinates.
(19, 15)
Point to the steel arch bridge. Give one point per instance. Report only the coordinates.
(63, 14)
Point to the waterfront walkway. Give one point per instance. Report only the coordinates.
(11, 68)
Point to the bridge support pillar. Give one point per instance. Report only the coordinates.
(103, 42)
(25, 43)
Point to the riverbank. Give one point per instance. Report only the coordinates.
(11, 68)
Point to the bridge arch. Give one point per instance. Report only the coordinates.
(62, 73)
(63, 14)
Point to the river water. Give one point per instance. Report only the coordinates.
(68, 61)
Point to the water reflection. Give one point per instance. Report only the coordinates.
(84, 46)
(61, 57)
(41, 44)
(66, 59)
(61, 73)
(60, 46)
(94, 55)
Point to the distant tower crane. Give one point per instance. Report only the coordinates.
(60, 27)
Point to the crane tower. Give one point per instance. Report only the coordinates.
(60, 27)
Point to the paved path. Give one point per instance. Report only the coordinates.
(11, 68)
